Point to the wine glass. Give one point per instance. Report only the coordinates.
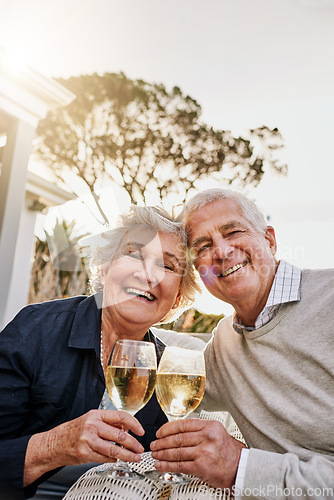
(130, 382)
(179, 389)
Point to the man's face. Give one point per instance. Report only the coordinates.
(235, 261)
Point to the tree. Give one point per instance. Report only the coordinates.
(146, 139)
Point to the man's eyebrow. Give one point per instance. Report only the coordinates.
(230, 225)
(200, 240)
(222, 228)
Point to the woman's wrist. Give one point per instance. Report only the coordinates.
(45, 452)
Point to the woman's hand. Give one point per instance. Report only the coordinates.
(97, 436)
(201, 448)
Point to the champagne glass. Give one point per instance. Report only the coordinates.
(179, 389)
(130, 382)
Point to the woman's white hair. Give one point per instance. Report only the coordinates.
(149, 219)
(248, 208)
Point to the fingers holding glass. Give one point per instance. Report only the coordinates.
(130, 382)
(179, 389)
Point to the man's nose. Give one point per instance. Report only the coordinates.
(222, 249)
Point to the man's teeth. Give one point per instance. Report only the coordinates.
(234, 268)
(140, 293)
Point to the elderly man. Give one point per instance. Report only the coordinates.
(271, 365)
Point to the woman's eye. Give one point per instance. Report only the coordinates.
(135, 255)
(170, 267)
(166, 265)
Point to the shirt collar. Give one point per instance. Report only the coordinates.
(159, 345)
(86, 327)
(285, 288)
(286, 285)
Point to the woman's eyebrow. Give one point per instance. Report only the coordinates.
(135, 244)
(171, 255)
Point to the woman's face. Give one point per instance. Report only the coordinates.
(143, 283)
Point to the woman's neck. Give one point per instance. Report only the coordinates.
(110, 333)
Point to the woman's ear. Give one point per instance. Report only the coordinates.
(271, 238)
(103, 274)
(177, 300)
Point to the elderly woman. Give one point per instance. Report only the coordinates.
(53, 357)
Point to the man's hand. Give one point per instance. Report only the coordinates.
(201, 448)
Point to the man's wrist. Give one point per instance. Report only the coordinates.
(241, 474)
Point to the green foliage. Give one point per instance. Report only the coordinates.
(63, 247)
(146, 139)
(193, 321)
(58, 269)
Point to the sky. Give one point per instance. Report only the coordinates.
(247, 62)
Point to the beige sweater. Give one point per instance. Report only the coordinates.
(278, 384)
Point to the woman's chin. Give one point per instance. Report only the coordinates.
(139, 311)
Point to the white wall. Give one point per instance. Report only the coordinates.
(20, 279)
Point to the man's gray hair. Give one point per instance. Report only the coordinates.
(248, 208)
(149, 220)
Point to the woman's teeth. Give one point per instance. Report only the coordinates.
(140, 293)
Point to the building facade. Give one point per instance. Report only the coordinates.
(25, 98)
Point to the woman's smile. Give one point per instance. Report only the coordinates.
(142, 294)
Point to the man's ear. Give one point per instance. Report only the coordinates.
(271, 238)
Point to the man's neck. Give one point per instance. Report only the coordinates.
(248, 310)
(242, 317)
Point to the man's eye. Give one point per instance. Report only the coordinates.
(202, 249)
(236, 232)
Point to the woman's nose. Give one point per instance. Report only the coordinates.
(148, 272)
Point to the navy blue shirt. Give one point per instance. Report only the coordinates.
(50, 373)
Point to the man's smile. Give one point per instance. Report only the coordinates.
(232, 269)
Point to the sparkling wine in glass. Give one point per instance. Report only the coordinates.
(179, 389)
(130, 382)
